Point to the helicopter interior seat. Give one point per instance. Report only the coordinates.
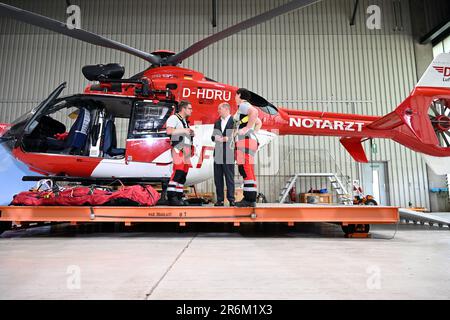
(37, 140)
(76, 138)
(110, 141)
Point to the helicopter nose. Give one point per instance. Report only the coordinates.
(11, 173)
(7, 141)
(4, 127)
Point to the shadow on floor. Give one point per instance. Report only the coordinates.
(265, 230)
(214, 230)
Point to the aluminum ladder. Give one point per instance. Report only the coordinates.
(336, 185)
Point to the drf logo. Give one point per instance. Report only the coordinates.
(444, 70)
(200, 93)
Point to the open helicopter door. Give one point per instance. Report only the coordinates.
(28, 122)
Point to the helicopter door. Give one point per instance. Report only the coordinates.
(147, 138)
(34, 120)
(27, 123)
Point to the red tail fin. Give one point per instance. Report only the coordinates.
(425, 114)
(354, 146)
(422, 121)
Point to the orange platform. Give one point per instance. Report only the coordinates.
(289, 213)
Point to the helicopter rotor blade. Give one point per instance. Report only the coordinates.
(80, 34)
(434, 109)
(200, 45)
(446, 140)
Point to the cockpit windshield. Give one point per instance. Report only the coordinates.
(262, 104)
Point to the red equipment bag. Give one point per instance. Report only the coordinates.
(137, 195)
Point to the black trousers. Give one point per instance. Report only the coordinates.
(221, 171)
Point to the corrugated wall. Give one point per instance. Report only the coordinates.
(310, 59)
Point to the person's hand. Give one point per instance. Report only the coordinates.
(219, 138)
(190, 132)
(224, 139)
(243, 131)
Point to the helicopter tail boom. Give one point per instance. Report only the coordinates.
(421, 122)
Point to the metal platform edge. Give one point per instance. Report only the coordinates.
(262, 213)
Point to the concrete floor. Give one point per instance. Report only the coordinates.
(310, 261)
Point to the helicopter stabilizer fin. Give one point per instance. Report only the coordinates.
(354, 146)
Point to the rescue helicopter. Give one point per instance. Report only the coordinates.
(88, 148)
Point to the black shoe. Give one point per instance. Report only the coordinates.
(180, 198)
(245, 203)
(218, 204)
(176, 202)
(232, 204)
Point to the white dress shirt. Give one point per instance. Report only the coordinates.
(223, 122)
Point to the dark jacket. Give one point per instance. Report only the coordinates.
(223, 150)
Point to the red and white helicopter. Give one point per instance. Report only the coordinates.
(145, 101)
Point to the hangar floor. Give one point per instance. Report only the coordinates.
(164, 261)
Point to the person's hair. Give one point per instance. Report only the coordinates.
(244, 94)
(225, 105)
(183, 104)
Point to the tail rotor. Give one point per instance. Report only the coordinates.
(439, 114)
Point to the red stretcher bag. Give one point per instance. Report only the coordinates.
(137, 195)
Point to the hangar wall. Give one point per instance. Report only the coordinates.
(310, 59)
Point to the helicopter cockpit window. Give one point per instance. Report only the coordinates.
(272, 110)
(149, 118)
(264, 105)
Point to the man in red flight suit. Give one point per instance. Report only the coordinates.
(246, 146)
(181, 136)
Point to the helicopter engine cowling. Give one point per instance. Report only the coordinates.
(98, 72)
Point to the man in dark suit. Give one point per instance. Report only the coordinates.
(223, 155)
